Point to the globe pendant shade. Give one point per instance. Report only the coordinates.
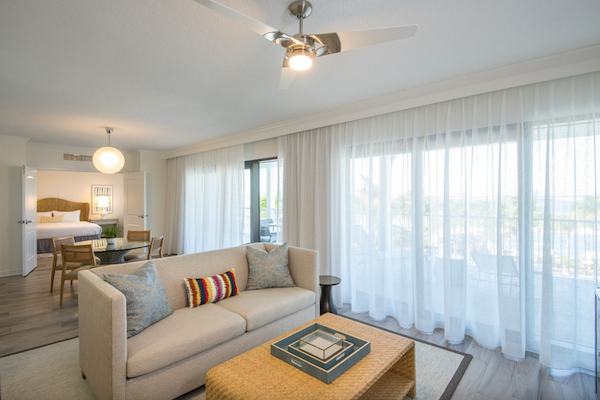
(108, 160)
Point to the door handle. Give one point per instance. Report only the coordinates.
(143, 215)
(25, 222)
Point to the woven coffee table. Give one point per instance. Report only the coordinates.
(388, 372)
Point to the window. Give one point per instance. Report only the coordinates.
(262, 212)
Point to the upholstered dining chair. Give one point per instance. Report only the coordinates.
(72, 255)
(137, 236)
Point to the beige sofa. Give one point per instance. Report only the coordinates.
(171, 357)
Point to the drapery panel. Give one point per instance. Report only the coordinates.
(477, 215)
(307, 191)
(205, 201)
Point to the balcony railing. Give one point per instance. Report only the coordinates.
(272, 213)
(574, 243)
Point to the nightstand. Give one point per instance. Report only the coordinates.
(106, 222)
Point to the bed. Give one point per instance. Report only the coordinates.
(82, 229)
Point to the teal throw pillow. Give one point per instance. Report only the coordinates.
(145, 296)
(268, 270)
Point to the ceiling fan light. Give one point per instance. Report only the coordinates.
(300, 60)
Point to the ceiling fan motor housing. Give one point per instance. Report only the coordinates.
(300, 9)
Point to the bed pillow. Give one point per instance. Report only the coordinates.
(211, 289)
(268, 270)
(43, 214)
(145, 297)
(50, 220)
(70, 216)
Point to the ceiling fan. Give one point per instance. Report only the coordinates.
(302, 48)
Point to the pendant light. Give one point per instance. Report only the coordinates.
(108, 160)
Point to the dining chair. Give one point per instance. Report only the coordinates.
(137, 236)
(57, 244)
(156, 247)
(82, 255)
(155, 250)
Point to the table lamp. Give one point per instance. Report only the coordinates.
(103, 205)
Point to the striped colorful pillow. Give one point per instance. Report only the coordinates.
(211, 289)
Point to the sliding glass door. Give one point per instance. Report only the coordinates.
(489, 232)
(262, 211)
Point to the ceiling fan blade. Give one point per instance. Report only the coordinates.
(250, 23)
(344, 41)
(287, 77)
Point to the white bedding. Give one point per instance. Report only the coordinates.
(48, 231)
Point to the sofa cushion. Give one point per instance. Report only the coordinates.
(211, 289)
(187, 332)
(261, 307)
(145, 296)
(268, 269)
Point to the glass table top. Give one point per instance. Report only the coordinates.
(100, 245)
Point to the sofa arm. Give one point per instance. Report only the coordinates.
(102, 336)
(304, 268)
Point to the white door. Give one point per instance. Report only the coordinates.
(135, 202)
(29, 220)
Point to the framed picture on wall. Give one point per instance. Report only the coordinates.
(102, 199)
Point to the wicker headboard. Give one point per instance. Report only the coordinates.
(54, 204)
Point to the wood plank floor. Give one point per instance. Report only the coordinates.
(491, 376)
(30, 316)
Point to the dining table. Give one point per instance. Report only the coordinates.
(114, 253)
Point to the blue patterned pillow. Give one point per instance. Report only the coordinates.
(145, 296)
(268, 270)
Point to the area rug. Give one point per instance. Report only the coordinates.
(52, 372)
(438, 369)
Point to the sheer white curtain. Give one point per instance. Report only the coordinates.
(477, 215)
(205, 201)
(308, 189)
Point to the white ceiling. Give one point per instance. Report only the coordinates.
(170, 73)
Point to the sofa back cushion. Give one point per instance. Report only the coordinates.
(268, 269)
(173, 270)
(145, 297)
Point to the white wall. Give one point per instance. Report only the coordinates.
(77, 186)
(261, 149)
(12, 158)
(49, 156)
(132, 162)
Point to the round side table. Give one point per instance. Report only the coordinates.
(326, 282)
